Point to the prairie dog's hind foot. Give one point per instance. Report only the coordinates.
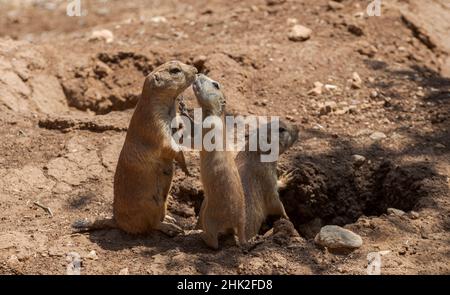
(211, 240)
(86, 225)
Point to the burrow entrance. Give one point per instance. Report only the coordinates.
(316, 197)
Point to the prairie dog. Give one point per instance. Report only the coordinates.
(223, 209)
(260, 181)
(145, 168)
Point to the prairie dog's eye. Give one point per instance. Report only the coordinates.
(216, 85)
(282, 129)
(174, 71)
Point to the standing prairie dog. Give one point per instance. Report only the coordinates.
(145, 168)
(223, 209)
(260, 181)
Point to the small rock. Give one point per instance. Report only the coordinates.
(334, 5)
(290, 118)
(317, 90)
(373, 94)
(274, 2)
(292, 21)
(101, 69)
(358, 160)
(387, 101)
(378, 136)
(13, 261)
(420, 93)
(341, 270)
(413, 215)
(158, 19)
(124, 272)
(318, 127)
(342, 111)
(199, 61)
(330, 87)
(207, 11)
(424, 234)
(355, 30)
(397, 212)
(299, 33)
(105, 35)
(367, 49)
(55, 252)
(327, 107)
(336, 237)
(356, 81)
(92, 255)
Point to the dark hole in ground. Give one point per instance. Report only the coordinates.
(316, 197)
(187, 197)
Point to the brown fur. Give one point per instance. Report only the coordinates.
(145, 168)
(223, 208)
(260, 182)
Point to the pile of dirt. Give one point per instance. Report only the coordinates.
(25, 84)
(110, 82)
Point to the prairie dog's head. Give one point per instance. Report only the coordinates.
(287, 135)
(170, 79)
(209, 95)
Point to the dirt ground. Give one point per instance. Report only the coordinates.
(66, 98)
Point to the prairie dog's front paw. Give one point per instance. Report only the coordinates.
(285, 179)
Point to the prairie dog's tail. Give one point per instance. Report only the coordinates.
(85, 225)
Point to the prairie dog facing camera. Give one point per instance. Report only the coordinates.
(260, 181)
(223, 208)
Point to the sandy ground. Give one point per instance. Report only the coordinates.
(66, 99)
